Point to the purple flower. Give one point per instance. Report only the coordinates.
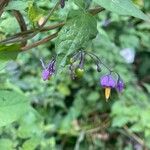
(120, 85)
(48, 70)
(108, 82)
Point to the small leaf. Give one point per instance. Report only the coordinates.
(31, 144)
(122, 7)
(34, 13)
(12, 106)
(9, 52)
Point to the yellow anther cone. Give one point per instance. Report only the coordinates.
(107, 93)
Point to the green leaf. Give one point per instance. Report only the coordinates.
(136, 127)
(147, 86)
(120, 121)
(34, 13)
(75, 35)
(80, 3)
(12, 106)
(122, 7)
(139, 3)
(17, 5)
(8, 52)
(31, 144)
(6, 144)
(3, 64)
(6, 28)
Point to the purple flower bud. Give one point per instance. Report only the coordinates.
(120, 85)
(62, 3)
(107, 81)
(48, 70)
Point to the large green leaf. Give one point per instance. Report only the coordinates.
(122, 7)
(76, 33)
(8, 52)
(12, 106)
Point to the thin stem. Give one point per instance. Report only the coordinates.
(40, 42)
(21, 22)
(50, 13)
(22, 39)
(91, 54)
(81, 63)
(134, 136)
(3, 3)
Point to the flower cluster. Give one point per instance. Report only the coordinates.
(111, 80)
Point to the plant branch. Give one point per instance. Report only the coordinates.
(134, 136)
(48, 38)
(17, 37)
(27, 34)
(22, 39)
(3, 3)
(21, 23)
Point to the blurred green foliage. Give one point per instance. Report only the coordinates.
(73, 114)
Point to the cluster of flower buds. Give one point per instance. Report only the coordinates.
(77, 64)
(111, 80)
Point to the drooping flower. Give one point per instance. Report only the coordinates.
(107, 82)
(120, 85)
(48, 70)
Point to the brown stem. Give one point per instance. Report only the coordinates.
(40, 42)
(134, 136)
(21, 22)
(17, 37)
(95, 11)
(3, 3)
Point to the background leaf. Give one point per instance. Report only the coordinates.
(12, 106)
(8, 52)
(122, 7)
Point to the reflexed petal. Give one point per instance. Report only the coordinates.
(45, 74)
(120, 86)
